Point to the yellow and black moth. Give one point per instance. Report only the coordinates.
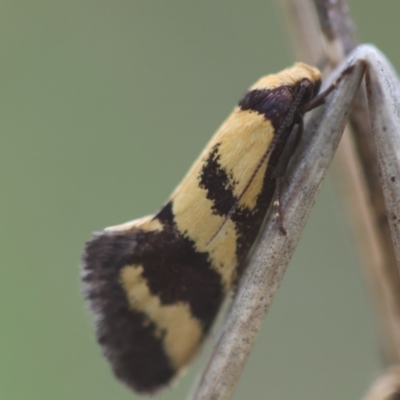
(156, 283)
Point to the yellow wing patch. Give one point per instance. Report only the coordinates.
(147, 224)
(240, 153)
(182, 331)
(196, 220)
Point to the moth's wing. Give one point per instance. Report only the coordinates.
(154, 298)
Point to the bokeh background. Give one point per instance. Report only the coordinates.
(104, 105)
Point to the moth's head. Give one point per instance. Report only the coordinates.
(293, 78)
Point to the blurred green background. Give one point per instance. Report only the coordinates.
(104, 105)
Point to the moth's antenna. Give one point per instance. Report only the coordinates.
(286, 122)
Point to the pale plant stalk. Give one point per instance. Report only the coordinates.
(357, 170)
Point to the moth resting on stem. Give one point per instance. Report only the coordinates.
(156, 283)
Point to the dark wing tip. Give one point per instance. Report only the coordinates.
(127, 337)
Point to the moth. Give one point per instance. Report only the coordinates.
(156, 283)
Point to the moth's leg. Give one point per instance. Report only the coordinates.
(288, 151)
(383, 91)
(277, 205)
(280, 171)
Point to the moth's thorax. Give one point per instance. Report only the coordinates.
(289, 77)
